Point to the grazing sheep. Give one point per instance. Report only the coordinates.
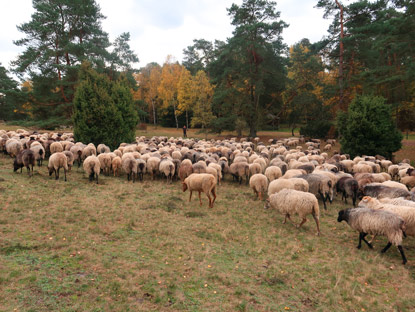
(201, 182)
(129, 165)
(238, 170)
(381, 191)
(25, 158)
(56, 147)
(116, 165)
(319, 185)
(409, 181)
(348, 187)
(70, 159)
(106, 162)
(273, 173)
(92, 167)
(375, 222)
(153, 166)
(259, 183)
(77, 153)
(276, 186)
(56, 161)
(185, 170)
(289, 202)
(13, 147)
(167, 168)
(39, 151)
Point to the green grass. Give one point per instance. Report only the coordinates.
(119, 246)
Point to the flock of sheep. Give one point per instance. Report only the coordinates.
(292, 178)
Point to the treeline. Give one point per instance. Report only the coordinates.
(252, 81)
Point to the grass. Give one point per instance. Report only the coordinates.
(119, 246)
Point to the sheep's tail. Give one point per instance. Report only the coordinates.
(40, 152)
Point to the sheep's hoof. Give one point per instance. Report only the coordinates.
(359, 246)
(318, 233)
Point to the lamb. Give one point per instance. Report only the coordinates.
(13, 147)
(92, 167)
(319, 184)
(129, 165)
(116, 165)
(25, 158)
(409, 181)
(238, 170)
(259, 183)
(39, 151)
(105, 161)
(348, 187)
(273, 173)
(185, 170)
(290, 202)
(166, 167)
(56, 161)
(201, 182)
(56, 147)
(375, 222)
(381, 191)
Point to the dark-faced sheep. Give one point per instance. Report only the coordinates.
(25, 158)
(348, 187)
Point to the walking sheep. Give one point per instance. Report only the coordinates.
(25, 158)
(201, 182)
(375, 222)
(289, 202)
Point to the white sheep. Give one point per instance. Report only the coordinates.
(201, 182)
(92, 167)
(276, 186)
(273, 173)
(105, 161)
(289, 202)
(56, 161)
(398, 201)
(56, 147)
(129, 165)
(259, 183)
(166, 167)
(375, 222)
(116, 165)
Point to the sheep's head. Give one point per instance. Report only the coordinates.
(15, 165)
(184, 186)
(342, 216)
(267, 204)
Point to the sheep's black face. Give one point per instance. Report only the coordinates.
(15, 165)
(340, 218)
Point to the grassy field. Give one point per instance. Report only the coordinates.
(119, 246)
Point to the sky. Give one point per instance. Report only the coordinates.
(166, 27)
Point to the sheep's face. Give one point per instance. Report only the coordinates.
(341, 216)
(267, 204)
(15, 165)
(184, 187)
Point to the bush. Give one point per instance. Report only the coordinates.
(368, 128)
(318, 129)
(104, 110)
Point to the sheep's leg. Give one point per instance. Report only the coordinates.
(190, 197)
(287, 216)
(324, 200)
(317, 223)
(402, 254)
(260, 196)
(57, 174)
(200, 199)
(362, 238)
(214, 195)
(373, 238)
(97, 177)
(302, 222)
(386, 247)
(210, 200)
(64, 170)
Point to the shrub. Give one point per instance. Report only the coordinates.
(316, 129)
(368, 128)
(104, 110)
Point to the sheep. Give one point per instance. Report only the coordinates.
(300, 184)
(348, 187)
(70, 159)
(398, 201)
(199, 167)
(153, 166)
(273, 173)
(393, 170)
(88, 150)
(381, 191)
(327, 147)
(291, 173)
(185, 169)
(319, 184)
(409, 181)
(166, 167)
(56, 147)
(218, 169)
(362, 168)
(395, 184)
(276, 186)
(238, 170)
(141, 168)
(102, 148)
(13, 147)
(375, 222)
(116, 165)
(254, 169)
(92, 167)
(39, 151)
(259, 183)
(105, 162)
(129, 165)
(77, 153)
(25, 158)
(56, 161)
(405, 212)
(201, 182)
(290, 202)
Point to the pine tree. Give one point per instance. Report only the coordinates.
(103, 109)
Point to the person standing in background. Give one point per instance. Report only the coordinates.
(184, 131)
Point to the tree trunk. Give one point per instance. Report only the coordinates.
(154, 112)
(175, 117)
(341, 100)
(252, 131)
(292, 130)
(187, 120)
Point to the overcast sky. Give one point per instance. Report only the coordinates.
(162, 27)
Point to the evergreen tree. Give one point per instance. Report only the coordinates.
(11, 97)
(368, 128)
(103, 109)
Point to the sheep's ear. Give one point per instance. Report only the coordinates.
(366, 199)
